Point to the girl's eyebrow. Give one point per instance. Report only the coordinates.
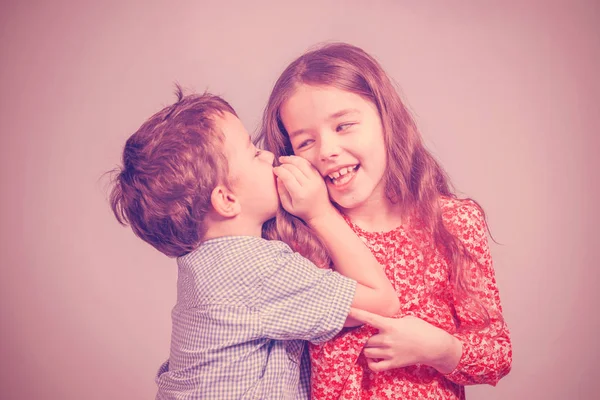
(333, 116)
(296, 133)
(341, 113)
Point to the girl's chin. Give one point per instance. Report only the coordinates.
(346, 202)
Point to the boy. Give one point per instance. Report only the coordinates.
(194, 186)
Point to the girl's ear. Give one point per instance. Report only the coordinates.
(225, 202)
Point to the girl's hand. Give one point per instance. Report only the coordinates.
(301, 189)
(408, 341)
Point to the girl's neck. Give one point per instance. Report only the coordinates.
(376, 215)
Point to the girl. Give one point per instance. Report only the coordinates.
(336, 108)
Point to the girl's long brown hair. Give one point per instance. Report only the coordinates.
(413, 178)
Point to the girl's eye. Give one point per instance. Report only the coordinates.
(304, 144)
(258, 153)
(343, 127)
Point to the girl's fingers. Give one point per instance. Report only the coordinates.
(376, 353)
(295, 171)
(288, 179)
(377, 340)
(377, 366)
(303, 165)
(376, 321)
(284, 195)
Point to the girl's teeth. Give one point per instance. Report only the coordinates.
(342, 176)
(341, 172)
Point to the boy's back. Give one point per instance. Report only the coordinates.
(244, 304)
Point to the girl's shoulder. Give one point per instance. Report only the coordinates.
(463, 216)
(459, 207)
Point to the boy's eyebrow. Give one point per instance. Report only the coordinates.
(335, 115)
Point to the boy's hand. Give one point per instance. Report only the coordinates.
(301, 189)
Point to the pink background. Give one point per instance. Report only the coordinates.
(506, 96)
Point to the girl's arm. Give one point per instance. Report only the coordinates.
(303, 193)
(486, 354)
(466, 358)
(352, 258)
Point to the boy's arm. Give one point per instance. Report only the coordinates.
(303, 193)
(301, 301)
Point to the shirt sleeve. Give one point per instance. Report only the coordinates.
(302, 301)
(487, 353)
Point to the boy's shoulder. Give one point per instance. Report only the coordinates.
(228, 261)
(236, 249)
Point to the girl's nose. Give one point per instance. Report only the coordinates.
(329, 147)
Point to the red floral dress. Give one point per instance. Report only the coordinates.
(419, 275)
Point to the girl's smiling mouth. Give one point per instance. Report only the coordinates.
(342, 176)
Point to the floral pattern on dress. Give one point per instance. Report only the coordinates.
(420, 276)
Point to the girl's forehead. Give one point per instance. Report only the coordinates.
(311, 106)
(321, 101)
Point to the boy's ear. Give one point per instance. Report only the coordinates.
(225, 202)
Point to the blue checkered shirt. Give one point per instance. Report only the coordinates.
(245, 307)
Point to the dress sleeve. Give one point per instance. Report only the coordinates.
(302, 301)
(487, 353)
